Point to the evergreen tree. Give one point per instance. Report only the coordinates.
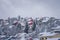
(34, 26)
(19, 27)
(26, 28)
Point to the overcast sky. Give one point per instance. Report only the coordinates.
(29, 8)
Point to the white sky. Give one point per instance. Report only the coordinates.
(30, 8)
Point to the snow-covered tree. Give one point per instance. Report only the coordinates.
(26, 28)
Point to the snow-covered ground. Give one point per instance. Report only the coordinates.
(53, 38)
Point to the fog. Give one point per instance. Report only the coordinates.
(29, 8)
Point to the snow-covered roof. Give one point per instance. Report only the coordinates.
(47, 34)
(23, 24)
(57, 30)
(45, 20)
(2, 36)
(58, 27)
(6, 23)
(10, 26)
